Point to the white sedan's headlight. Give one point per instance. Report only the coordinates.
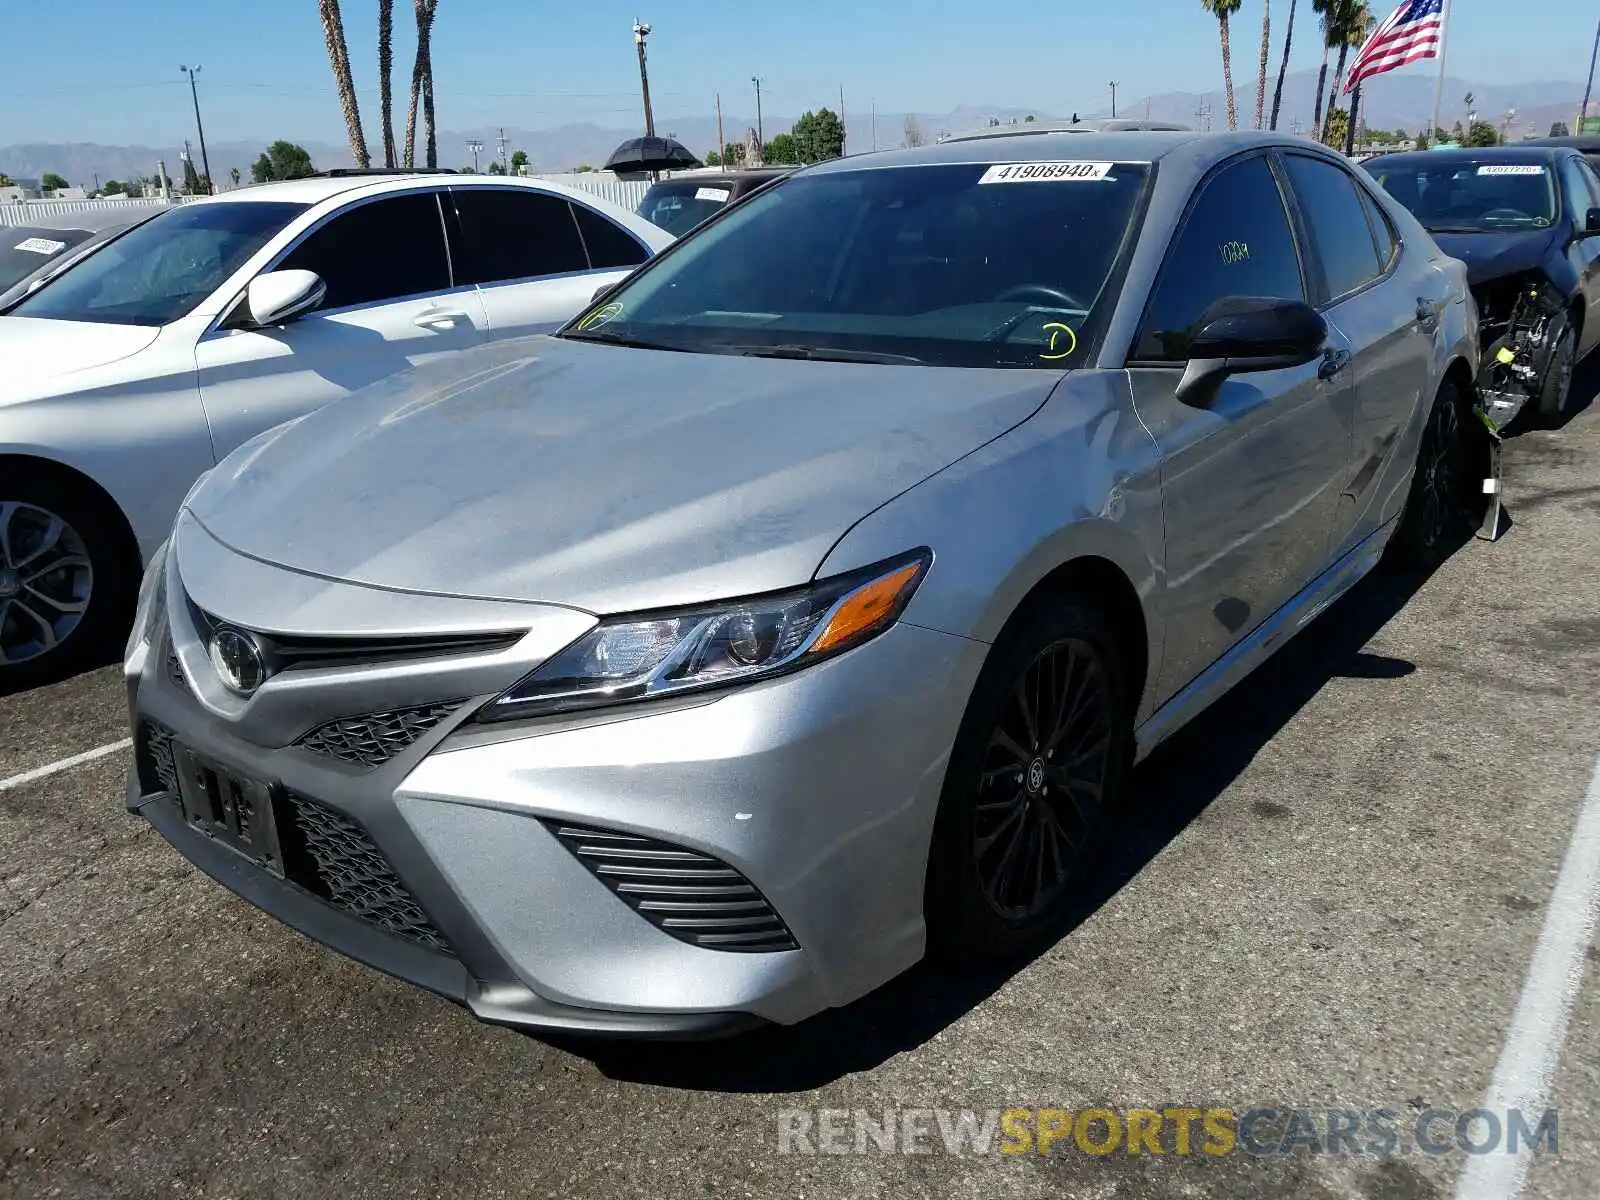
(641, 657)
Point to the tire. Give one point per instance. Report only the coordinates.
(1060, 654)
(1556, 389)
(1438, 511)
(67, 579)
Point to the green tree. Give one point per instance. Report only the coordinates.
(283, 160)
(1222, 10)
(495, 168)
(733, 154)
(1457, 134)
(53, 182)
(1349, 23)
(5, 180)
(233, 176)
(519, 159)
(1482, 134)
(1334, 127)
(191, 178)
(783, 148)
(111, 187)
(1559, 129)
(713, 159)
(818, 136)
(584, 168)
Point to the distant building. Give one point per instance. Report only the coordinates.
(69, 193)
(16, 194)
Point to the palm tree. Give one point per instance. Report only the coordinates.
(1222, 10)
(385, 67)
(1323, 10)
(1266, 52)
(1283, 67)
(339, 59)
(422, 85)
(233, 176)
(1354, 22)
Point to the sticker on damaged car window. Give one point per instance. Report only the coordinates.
(1046, 172)
(37, 245)
(1510, 169)
(717, 194)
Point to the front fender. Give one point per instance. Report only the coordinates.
(1080, 479)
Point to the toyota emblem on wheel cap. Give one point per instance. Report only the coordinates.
(238, 661)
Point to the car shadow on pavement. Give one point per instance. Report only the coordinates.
(1171, 788)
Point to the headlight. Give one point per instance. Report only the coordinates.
(641, 657)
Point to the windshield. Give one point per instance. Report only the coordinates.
(1456, 195)
(160, 271)
(965, 265)
(680, 205)
(26, 249)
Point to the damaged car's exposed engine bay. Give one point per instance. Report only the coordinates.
(1521, 319)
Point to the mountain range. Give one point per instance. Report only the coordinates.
(1403, 100)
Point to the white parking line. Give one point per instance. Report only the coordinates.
(65, 764)
(1533, 1047)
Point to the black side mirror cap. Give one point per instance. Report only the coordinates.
(1240, 334)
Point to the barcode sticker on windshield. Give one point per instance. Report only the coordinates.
(41, 246)
(1046, 172)
(1511, 169)
(717, 194)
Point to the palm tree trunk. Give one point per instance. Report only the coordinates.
(422, 87)
(1283, 67)
(385, 69)
(1266, 53)
(409, 159)
(339, 59)
(1227, 71)
(1322, 80)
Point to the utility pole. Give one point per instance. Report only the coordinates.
(1147, 109)
(760, 133)
(1113, 99)
(474, 145)
(505, 163)
(194, 93)
(846, 139)
(640, 32)
(722, 145)
(1583, 113)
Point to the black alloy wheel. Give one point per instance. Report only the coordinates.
(1438, 512)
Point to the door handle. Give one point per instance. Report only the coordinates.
(434, 318)
(1333, 361)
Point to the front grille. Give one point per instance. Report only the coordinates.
(324, 852)
(692, 896)
(374, 739)
(174, 668)
(332, 857)
(153, 757)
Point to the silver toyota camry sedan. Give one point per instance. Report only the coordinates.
(800, 609)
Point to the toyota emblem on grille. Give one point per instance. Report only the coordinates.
(238, 661)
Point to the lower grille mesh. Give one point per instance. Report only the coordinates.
(153, 756)
(372, 740)
(692, 896)
(351, 873)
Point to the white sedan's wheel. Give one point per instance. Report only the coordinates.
(46, 581)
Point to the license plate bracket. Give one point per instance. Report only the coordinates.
(230, 808)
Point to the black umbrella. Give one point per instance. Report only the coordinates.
(641, 155)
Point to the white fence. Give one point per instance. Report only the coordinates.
(600, 183)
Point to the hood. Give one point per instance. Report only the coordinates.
(1495, 255)
(32, 349)
(600, 477)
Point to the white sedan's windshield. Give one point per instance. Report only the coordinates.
(964, 264)
(160, 271)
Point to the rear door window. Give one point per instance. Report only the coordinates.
(1341, 237)
(515, 233)
(609, 245)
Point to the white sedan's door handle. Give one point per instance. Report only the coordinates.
(438, 318)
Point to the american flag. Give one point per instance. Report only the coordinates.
(1411, 33)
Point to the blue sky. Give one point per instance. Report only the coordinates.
(107, 70)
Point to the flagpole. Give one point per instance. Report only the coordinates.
(1438, 94)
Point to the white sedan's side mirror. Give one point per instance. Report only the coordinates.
(280, 296)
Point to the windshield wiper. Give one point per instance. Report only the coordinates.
(817, 353)
(615, 339)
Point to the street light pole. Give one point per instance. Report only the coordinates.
(194, 93)
(640, 32)
(761, 136)
(1113, 99)
(1588, 87)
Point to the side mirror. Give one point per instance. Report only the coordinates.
(1238, 334)
(1591, 221)
(281, 296)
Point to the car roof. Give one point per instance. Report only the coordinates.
(1053, 145)
(1519, 153)
(1589, 143)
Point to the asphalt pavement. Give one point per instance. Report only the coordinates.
(1329, 894)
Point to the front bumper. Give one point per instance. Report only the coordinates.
(819, 789)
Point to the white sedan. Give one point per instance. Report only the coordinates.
(131, 373)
